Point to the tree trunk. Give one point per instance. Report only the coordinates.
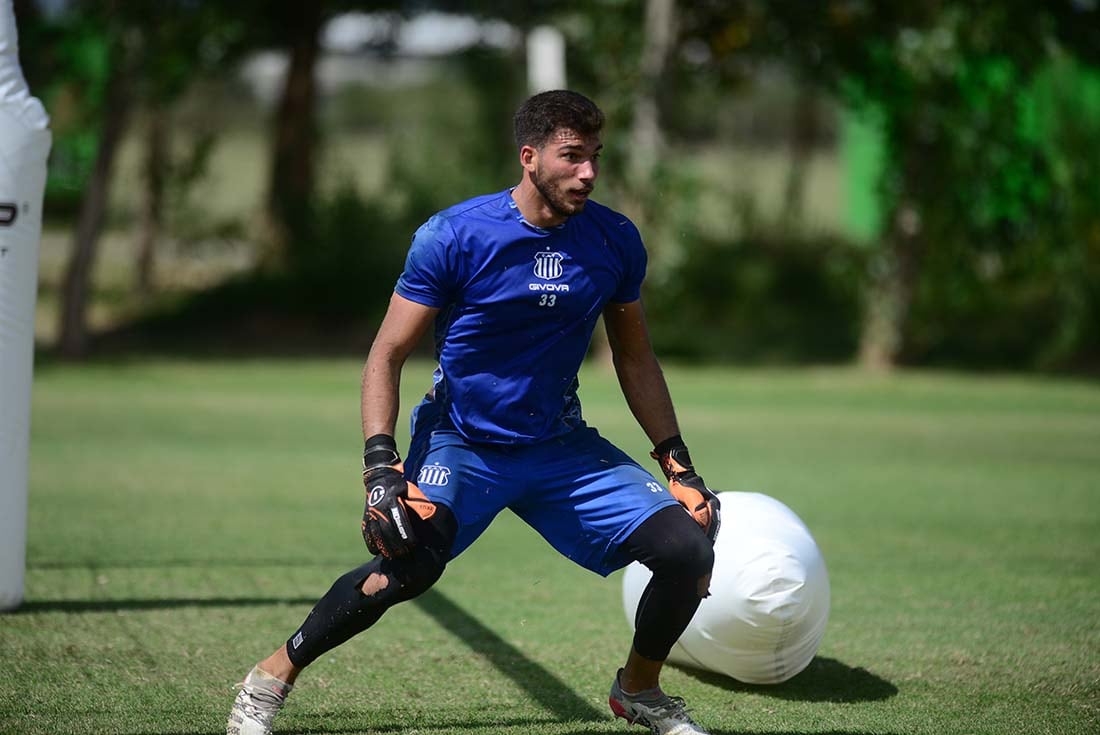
(27, 14)
(73, 333)
(152, 205)
(290, 191)
(894, 280)
(889, 301)
(646, 138)
(803, 135)
(896, 274)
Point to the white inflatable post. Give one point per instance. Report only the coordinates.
(545, 59)
(24, 147)
(769, 595)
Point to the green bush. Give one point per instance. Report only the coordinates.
(1022, 291)
(1025, 309)
(760, 299)
(351, 260)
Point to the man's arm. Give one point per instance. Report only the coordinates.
(404, 324)
(647, 394)
(386, 527)
(639, 373)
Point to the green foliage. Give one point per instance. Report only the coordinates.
(352, 239)
(979, 168)
(988, 114)
(459, 142)
(157, 49)
(1018, 286)
(979, 157)
(350, 247)
(353, 258)
(765, 298)
(68, 72)
(330, 298)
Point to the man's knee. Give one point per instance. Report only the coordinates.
(419, 571)
(671, 544)
(397, 580)
(688, 556)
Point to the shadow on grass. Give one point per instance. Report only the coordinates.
(534, 724)
(93, 606)
(824, 680)
(267, 561)
(540, 684)
(428, 724)
(480, 725)
(712, 731)
(411, 726)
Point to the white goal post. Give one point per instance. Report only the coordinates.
(24, 147)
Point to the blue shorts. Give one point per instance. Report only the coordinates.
(581, 493)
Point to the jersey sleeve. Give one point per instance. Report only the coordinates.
(634, 265)
(430, 273)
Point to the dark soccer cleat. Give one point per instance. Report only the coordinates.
(260, 698)
(662, 714)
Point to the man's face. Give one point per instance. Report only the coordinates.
(565, 170)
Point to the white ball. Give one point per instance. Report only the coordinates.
(769, 595)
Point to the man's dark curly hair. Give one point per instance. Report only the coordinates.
(537, 118)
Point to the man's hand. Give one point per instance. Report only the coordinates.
(687, 487)
(386, 527)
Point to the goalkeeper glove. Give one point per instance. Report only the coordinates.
(386, 527)
(687, 487)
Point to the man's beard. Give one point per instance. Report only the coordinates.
(556, 199)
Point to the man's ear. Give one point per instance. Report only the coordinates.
(528, 157)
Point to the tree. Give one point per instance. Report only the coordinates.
(109, 59)
(155, 171)
(948, 82)
(297, 26)
(73, 331)
(658, 40)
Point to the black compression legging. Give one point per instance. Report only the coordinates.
(680, 556)
(346, 610)
(668, 542)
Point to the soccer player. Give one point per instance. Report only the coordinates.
(514, 283)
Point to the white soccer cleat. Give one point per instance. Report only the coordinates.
(662, 714)
(259, 700)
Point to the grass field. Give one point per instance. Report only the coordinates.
(184, 516)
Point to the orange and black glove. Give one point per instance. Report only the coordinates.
(687, 487)
(386, 527)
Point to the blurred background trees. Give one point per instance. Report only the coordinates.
(890, 183)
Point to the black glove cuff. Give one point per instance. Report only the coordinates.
(673, 442)
(675, 449)
(380, 451)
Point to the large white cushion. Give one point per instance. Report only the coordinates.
(769, 600)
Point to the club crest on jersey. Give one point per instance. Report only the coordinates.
(548, 265)
(435, 474)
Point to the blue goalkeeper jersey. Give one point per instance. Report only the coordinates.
(518, 304)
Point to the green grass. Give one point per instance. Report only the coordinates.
(185, 515)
